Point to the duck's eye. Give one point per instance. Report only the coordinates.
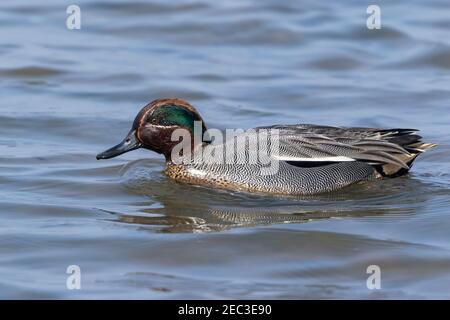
(128, 141)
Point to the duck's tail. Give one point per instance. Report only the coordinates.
(410, 142)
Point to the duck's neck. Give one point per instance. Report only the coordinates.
(186, 146)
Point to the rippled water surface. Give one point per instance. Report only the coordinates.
(68, 94)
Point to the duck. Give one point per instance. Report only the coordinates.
(291, 159)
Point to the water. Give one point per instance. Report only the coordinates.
(69, 94)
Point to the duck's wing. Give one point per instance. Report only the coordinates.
(309, 145)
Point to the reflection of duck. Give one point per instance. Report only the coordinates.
(174, 217)
(214, 220)
(176, 207)
(310, 159)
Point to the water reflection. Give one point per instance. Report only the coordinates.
(175, 207)
(216, 219)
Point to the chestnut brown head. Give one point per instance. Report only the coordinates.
(153, 127)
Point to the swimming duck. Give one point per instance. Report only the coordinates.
(300, 159)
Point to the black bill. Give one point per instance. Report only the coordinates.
(128, 144)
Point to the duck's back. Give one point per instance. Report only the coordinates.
(302, 159)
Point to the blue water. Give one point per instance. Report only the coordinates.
(68, 94)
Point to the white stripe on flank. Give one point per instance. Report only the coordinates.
(321, 159)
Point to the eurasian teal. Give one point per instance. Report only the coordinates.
(309, 158)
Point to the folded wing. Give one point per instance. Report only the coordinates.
(390, 151)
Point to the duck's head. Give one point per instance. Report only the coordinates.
(153, 127)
